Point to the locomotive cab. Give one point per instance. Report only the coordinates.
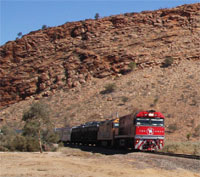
(149, 130)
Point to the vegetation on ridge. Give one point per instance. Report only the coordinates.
(37, 134)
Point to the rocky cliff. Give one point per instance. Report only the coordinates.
(43, 61)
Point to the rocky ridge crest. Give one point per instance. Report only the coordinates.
(43, 61)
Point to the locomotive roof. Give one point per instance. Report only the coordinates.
(150, 113)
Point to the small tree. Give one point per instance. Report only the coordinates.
(44, 27)
(19, 34)
(37, 123)
(96, 16)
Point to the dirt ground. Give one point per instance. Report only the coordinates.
(73, 162)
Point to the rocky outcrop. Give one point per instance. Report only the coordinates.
(69, 55)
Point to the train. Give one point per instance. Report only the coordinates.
(143, 130)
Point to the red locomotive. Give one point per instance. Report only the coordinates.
(143, 131)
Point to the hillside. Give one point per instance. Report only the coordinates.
(69, 66)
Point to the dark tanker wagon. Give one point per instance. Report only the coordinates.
(76, 135)
(90, 132)
(85, 133)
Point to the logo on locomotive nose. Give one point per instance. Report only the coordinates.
(150, 131)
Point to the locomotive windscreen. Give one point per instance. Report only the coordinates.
(150, 121)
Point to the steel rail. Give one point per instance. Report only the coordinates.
(112, 151)
(197, 157)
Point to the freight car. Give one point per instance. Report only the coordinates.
(143, 131)
(64, 134)
(107, 132)
(86, 133)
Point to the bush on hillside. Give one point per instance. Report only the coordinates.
(132, 65)
(172, 127)
(125, 99)
(168, 61)
(109, 88)
(197, 131)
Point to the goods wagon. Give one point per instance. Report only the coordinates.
(143, 131)
(107, 132)
(86, 133)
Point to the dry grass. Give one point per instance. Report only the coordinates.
(70, 162)
(76, 152)
(188, 147)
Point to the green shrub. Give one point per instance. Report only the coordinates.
(7, 130)
(125, 99)
(32, 144)
(197, 131)
(188, 136)
(132, 65)
(109, 88)
(185, 147)
(6, 138)
(155, 101)
(49, 136)
(168, 61)
(172, 127)
(19, 143)
(3, 149)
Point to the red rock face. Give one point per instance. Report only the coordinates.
(69, 55)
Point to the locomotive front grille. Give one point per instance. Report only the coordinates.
(148, 144)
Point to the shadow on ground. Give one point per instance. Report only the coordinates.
(101, 150)
(113, 151)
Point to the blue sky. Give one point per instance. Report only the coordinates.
(29, 15)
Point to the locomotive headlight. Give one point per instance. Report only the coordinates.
(161, 141)
(137, 141)
(151, 114)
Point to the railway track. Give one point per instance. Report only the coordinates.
(176, 155)
(111, 151)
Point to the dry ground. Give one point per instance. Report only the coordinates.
(72, 162)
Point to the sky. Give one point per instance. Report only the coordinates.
(30, 15)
